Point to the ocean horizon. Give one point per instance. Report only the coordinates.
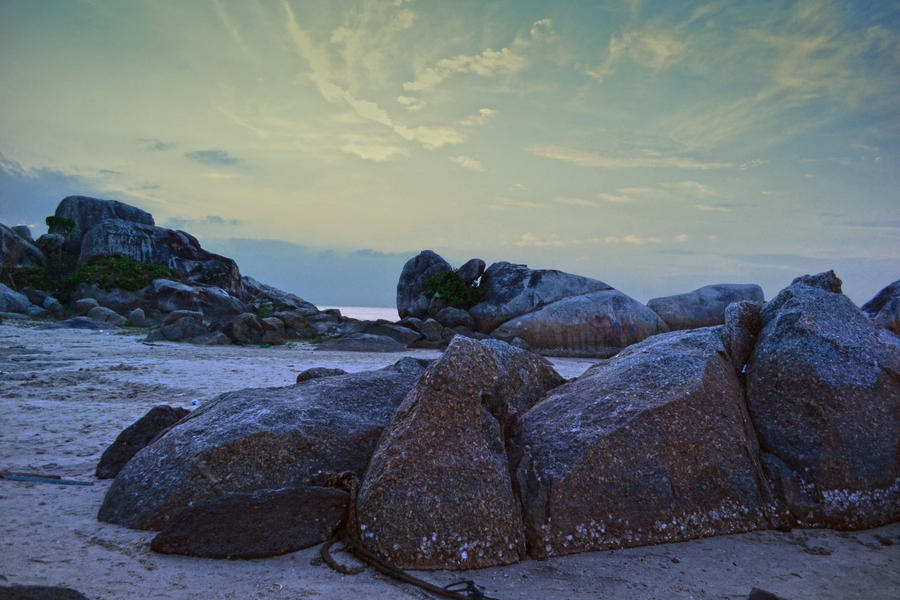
(367, 313)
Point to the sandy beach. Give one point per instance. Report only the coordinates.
(66, 394)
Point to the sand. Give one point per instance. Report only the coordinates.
(66, 394)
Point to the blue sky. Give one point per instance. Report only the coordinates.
(658, 146)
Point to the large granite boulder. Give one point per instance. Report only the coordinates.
(136, 436)
(437, 493)
(257, 439)
(13, 301)
(148, 244)
(471, 270)
(16, 250)
(254, 524)
(411, 300)
(512, 290)
(258, 293)
(595, 324)
(245, 328)
(362, 342)
(87, 212)
(884, 308)
(823, 389)
(651, 446)
(742, 325)
(704, 306)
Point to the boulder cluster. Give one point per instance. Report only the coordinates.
(787, 415)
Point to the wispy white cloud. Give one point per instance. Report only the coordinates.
(489, 63)
(371, 148)
(467, 162)
(574, 201)
(649, 160)
(483, 116)
(694, 187)
(711, 208)
(636, 191)
(511, 203)
(682, 238)
(529, 239)
(613, 198)
(656, 50)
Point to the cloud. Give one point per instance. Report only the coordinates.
(185, 223)
(655, 50)
(613, 199)
(636, 190)
(507, 203)
(480, 119)
(371, 148)
(574, 201)
(650, 160)
(154, 145)
(489, 63)
(213, 157)
(682, 237)
(430, 137)
(752, 164)
(710, 208)
(529, 239)
(468, 162)
(218, 175)
(694, 187)
(411, 103)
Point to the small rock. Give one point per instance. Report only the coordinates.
(317, 372)
(363, 342)
(83, 305)
(137, 318)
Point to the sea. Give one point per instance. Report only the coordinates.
(367, 313)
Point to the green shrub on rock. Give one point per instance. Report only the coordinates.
(448, 286)
(110, 272)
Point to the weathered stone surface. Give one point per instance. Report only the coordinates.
(455, 317)
(704, 306)
(177, 314)
(273, 331)
(213, 338)
(411, 300)
(471, 270)
(651, 446)
(512, 290)
(185, 328)
(316, 372)
(431, 329)
(742, 325)
(137, 318)
(17, 250)
(437, 493)
(136, 436)
(23, 231)
(254, 524)
(87, 212)
(884, 308)
(80, 323)
(13, 301)
(106, 315)
(119, 300)
(404, 335)
(823, 388)
(246, 328)
(39, 592)
(45, 301)
(297, 322)
(362, 342)
(83, 305)
(595, 324)
(279, 300)
(148, 244)
(257, 439)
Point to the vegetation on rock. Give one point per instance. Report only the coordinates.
(59, 225)
(448, 286)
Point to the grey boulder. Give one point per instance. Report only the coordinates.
(87, 212)
(595, 324)
(884, 308)
(13, 301)
(651, 446)
(703, 307)
(362, 342)
(471, 270)
(257, 439)
(437, 493)
(106, 315)
(823, 388)
(136, 436)
(411, 300)
(16, 250)
(512, 290)
(254, 524)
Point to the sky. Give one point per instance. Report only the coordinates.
(657, 146)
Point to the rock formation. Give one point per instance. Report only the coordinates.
(704, 306)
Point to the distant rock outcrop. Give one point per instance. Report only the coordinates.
(704, 306)
(651, 446)
(411, 300)
(258, 439)
(884, 308)
(16, 250)
(823, 388)
(512, 290)
(595, 324)
(87, 212)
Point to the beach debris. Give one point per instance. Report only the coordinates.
(36, 478)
